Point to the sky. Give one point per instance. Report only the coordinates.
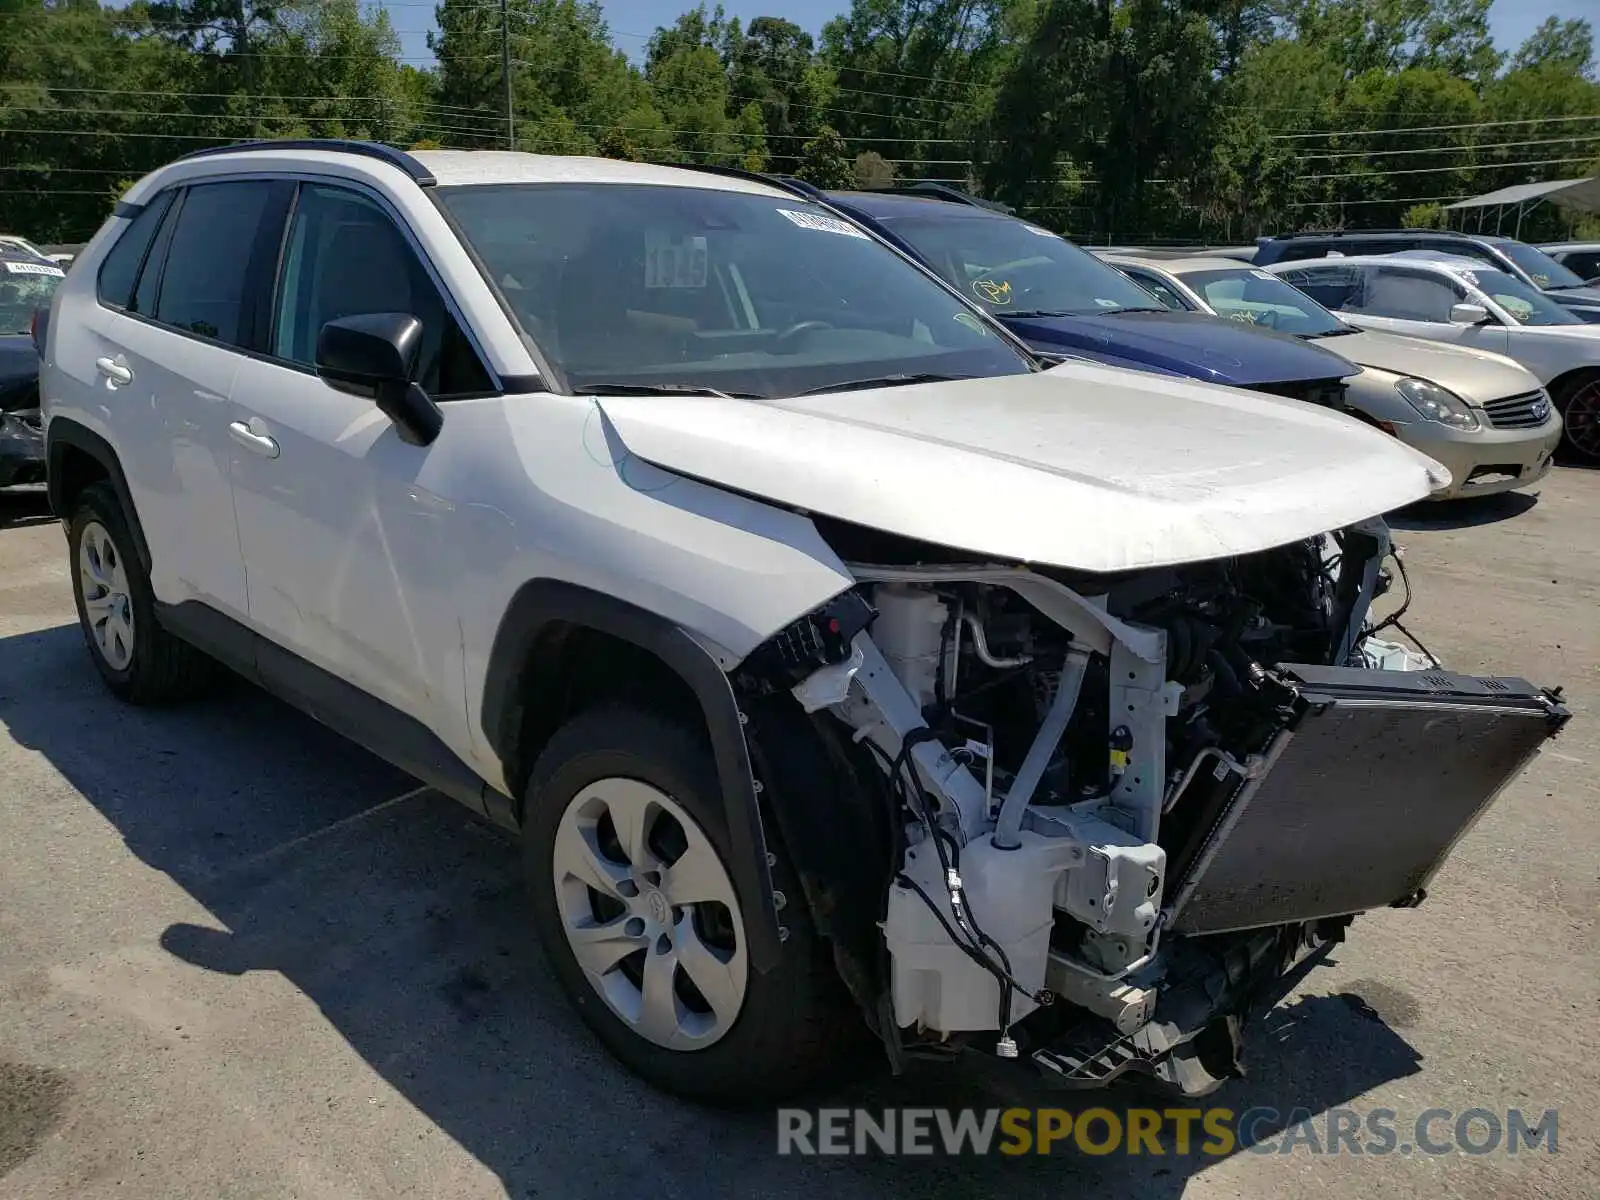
(632, 21)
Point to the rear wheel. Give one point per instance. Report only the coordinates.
(139, 660)
(1578, 401)
(627, 859)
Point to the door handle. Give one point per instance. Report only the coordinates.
(258, 443)
(115, 370)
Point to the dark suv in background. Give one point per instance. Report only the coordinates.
(1527, 263)
(1063, 301)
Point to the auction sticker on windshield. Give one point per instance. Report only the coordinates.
(22, 268)
(825, 224)
(674, 262)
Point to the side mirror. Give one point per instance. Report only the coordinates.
(1469, 314)
(374, 355)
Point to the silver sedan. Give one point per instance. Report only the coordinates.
(1480, 414)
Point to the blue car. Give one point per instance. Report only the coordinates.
(1062, 300)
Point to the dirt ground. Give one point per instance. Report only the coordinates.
(240, 958)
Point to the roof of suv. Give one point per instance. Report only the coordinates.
(455, 167)
(450, 168)
(1425, 258)
(1454, 235)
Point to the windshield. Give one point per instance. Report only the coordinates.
(25, 286)
(1013, 268)
(1541, 268)
(655, 287)
(1525, 305)
(1257, 298)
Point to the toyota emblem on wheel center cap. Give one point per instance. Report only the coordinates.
(660, 910)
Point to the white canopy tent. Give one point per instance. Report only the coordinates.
(1576, 195)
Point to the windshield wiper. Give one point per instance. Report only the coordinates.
(660, 389)
(1339, 332)
(853, 385)
(1038, 312)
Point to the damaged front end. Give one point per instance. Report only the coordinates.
(1096, 822)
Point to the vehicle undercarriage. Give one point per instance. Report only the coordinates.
(1098, 821)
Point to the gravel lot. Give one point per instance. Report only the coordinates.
(240, 958)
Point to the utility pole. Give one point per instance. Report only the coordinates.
(505, 71)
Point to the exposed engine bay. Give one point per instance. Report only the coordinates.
(1125, 808)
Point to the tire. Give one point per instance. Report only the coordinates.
(140, 661)
(784, 1032)
(1578, 402)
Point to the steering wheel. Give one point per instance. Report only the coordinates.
(794, 331)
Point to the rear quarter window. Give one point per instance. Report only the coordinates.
(120, 270)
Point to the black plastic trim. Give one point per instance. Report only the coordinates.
(542, 601)
(126, 210)
(782, 182)
(395, 158)
(523, 385)
(369, 722)
(63, 432)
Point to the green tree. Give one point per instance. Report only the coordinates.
(1563, 45)
(874, 171)
(1390, 35)
(772, 63)
(1423, 216)
(1126, 89)
(615, 143)
(824, 161)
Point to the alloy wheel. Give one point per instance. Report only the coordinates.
(1582, 417)
(107, 604)
(650, 913)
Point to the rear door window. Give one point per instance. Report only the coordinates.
(1410, 295)
(1333, 286)
(204, 283)
(1585, 263)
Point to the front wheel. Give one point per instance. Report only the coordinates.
(1578, 401)
(627, 860)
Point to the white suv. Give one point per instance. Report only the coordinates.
(839, 668)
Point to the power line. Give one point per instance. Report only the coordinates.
(1409, 129)
(828, 108)
(1466, 149)
(1546, 162)
(1345, 203)
(249, 96)
(52, 192)
(250, 118)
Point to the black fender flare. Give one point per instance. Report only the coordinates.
(540, 602)
(62, 433)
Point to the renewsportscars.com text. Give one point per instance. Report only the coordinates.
(1215, 1132)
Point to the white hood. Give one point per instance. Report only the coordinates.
(1084, 467)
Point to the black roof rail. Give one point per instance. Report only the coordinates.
(784, 183)
(389, 154)
(942, 191)
(801, 185)
(1451, 233)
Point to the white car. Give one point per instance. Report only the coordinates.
(839, 668)
(1480, 414)
(1445, 298)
